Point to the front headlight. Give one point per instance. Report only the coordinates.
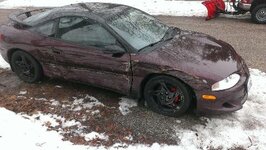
(226, 83)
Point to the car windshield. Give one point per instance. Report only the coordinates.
(137, 28)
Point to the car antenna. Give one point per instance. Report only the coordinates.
(83, 5)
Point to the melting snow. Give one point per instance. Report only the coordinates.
(58, 86)
(16, 132)
(244, 128)
(42, 119)
(40, 99)
(94, 135)
(3, 63)
(22, 92)
(130, 137)
(88, 102)
(54, 102)
(21, 97)
(125, 104)
(71, 123)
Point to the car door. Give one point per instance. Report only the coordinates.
(42, 39)
(85, 51)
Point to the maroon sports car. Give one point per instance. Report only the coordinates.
(128, 51)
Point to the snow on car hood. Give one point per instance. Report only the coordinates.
(201, 55)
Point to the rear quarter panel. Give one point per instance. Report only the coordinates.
(19, 39)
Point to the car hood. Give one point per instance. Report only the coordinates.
(200, 55)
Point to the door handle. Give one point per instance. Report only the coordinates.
(117, 55)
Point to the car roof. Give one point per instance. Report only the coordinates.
(103, 10)
(100, 11)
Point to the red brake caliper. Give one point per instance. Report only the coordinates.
(177, 98)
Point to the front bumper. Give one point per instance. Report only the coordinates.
(227, 100)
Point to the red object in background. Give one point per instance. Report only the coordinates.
(214, 7)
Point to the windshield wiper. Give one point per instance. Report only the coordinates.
(164, 38)
(168, 34)
(150, 45)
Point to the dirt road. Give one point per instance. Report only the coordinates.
(143, 125)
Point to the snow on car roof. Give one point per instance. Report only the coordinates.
(102, 10)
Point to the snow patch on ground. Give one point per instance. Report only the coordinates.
(54, 102)
(71, 123)
(30, 132)
(3, 63)
(40, 99)
(51, 120)
(154, 7)
(22, 92)
(47, 120)
(126, 104)
(88, 102)
(16, 132)
(94, 135)
(244, 128)
(59, 86)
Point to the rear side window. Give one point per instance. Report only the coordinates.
(83, 32)
(46, 29)
(32, 20)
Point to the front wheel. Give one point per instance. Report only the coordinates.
(26, 67)
(167, 95)
(258, 14)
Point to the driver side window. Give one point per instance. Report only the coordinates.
(83, 32)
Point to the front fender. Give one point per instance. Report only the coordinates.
(196, 83)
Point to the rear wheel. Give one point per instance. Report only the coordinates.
(26, 67)
(258, 14)
(167, 95)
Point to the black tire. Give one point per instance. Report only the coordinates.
(26, 67)
(258, 14)
(174, 102)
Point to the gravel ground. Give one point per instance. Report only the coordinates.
(247, 38)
